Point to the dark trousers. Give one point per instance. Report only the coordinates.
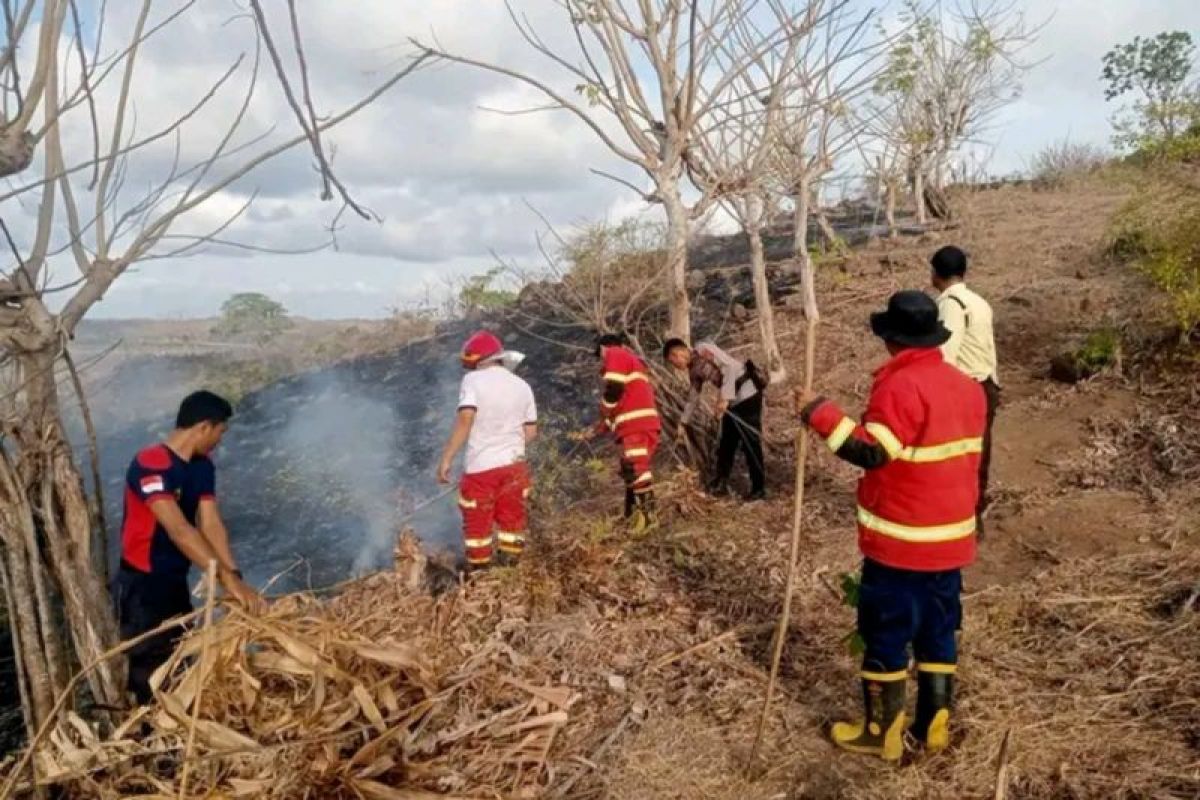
(992, 391)
(145, 601)
(899, 608)
(741, 428)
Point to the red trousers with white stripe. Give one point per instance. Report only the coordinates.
(637, 451)
(493, 511)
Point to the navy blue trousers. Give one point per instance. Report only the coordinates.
(899, 608)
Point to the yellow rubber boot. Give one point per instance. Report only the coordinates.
(935, 696)
(644, 516)
(881, 732)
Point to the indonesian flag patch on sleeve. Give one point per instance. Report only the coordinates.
(152, 484)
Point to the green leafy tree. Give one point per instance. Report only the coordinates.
(480, 293)
(252, 316)
(1159, 72)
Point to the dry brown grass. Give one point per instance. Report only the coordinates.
(1088, 667)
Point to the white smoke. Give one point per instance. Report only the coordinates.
(340, 442)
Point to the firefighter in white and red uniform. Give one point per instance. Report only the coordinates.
(496, 418)
(919, 443)
(628, 409)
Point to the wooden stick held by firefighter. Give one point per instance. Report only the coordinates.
(629, 412)
(496, 419)
(919, 443)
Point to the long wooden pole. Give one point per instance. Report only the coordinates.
(812, 317)
(802, 440)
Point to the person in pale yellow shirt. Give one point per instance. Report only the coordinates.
(972, 345)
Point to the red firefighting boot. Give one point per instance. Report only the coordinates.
(881, 732)
(935, 696)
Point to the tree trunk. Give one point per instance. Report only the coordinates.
(918, 189)
(34, 664)
(677, 261)
(808, 291)
(833, 242)
(890, 210)
(48, 543)
(776, 371)
(800, 224)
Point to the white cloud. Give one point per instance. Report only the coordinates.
(451, 180)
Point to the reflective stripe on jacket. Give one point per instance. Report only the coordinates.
(917, 510)
(635, 410)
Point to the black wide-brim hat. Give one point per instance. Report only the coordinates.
(911, 320)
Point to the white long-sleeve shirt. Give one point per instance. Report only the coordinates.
(972, 345)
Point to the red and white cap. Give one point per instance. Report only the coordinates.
(482, 346)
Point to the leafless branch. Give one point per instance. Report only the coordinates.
(308, 123)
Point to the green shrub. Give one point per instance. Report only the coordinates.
(1158, 231)
(251, 316)
(1182, 149)
(481, 292)
(1101, 349)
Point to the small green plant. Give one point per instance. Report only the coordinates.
(1100, 350)
(851, 589)
(480, 292)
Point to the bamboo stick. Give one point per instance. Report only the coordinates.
(210, 585)
(11, 784)
(802, 441)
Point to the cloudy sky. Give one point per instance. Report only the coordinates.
(452, 181)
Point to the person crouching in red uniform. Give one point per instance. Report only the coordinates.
(629, 411)
(496, 418)
(920, 442)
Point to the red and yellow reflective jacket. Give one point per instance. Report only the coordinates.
(920, 441)
(627, 405)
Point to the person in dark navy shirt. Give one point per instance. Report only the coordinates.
(172, 522)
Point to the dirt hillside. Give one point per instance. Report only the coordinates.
(1083, 505)
(630, 667)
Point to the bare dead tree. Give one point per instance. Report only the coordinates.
(71, 95)
(737, 147)
(646, 78)
(948, 75)
(825, 117)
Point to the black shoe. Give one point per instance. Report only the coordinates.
(718, 489)
(756, 495)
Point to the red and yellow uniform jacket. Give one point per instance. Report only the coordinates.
(920, 442)
(627, 405)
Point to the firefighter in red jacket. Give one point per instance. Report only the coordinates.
(919, 442)
(627, 408)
